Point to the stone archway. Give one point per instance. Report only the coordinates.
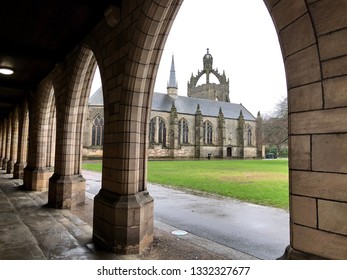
(67, 185)
(317, 106)
(41, 124)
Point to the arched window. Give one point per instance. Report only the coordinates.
(98, 131)
(183, 131)
(162, 132)
(249, 136)
(207, 132)
(152, 127)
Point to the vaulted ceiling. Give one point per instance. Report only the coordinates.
(37, 34)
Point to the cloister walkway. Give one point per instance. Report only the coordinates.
(29, 230)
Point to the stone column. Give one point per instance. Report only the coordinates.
(22, 143)
(67, 185)
(8, 143)
(36, 172)
(317, 124)
(1, 138)
(4, 139)
(14, 143)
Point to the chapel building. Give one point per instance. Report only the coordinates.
(203, 124)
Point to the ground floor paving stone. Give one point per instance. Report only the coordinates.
(29, 230)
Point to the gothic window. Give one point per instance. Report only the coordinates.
(98, 131)
(249, 136)
(162, 132)
(207, 132)
(183, 131)
(152, 127)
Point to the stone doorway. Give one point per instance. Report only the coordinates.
(229, 152)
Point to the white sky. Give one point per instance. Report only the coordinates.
(243, 42)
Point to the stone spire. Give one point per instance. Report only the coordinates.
(172, 84)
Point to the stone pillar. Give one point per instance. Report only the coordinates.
(14, 143)
(123, 209)
(312, 36)
(22, 143)
(8, 143)
(36, 172)
(4, 139)
(67, 185)
(1, 138)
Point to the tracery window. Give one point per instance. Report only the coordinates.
(162, 132)
(183, 131)
(152, 127)
(157, 131)
(249, 136)
(207, 132)
(98, 131)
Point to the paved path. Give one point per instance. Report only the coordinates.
(259, 231)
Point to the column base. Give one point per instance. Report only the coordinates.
(10, 167)
(66, 192)
(4, 164)
(36, 179)
(123, 224)
(18, 171)
(292, 254)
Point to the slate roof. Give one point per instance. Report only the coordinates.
(187, 105)
(97, 98)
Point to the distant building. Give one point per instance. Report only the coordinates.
(93, 135)
(203, 124)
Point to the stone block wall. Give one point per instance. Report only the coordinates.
(314, 46)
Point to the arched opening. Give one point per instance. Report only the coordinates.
(41, 146)
(67, 172)
(154, 130)
(247, 70)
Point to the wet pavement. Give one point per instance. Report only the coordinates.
(220, 227)
(29, 230)
(262, 232)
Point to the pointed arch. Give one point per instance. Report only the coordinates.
(98, 131)
(162, 131)
(208, 132)
(183, 131)
(152, 130)
(42, 124)
(249, 135)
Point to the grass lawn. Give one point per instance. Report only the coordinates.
(262, 182)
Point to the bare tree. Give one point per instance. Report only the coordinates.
(275, 126)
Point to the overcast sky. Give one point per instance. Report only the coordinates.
(243, 42)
